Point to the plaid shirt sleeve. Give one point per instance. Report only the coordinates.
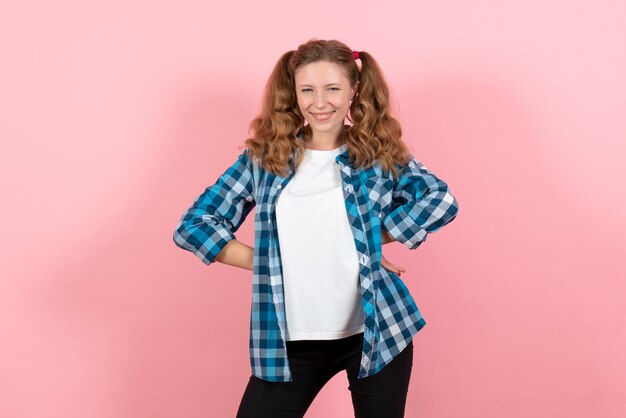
(421, 204)
(207, 226)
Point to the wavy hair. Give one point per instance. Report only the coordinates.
(375, 134)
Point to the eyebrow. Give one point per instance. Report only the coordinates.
(329, 84)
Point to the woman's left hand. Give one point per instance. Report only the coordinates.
(390, 266)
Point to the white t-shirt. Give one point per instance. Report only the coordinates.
(318, 254)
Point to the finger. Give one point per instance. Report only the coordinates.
(399, 268)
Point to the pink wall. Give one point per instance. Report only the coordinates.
(114, 116)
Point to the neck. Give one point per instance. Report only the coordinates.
(326, 141)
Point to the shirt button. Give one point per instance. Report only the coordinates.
(280, 186)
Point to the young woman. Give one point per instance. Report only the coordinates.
(327, 195)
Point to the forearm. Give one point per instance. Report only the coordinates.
(237, 254)
(386, 237)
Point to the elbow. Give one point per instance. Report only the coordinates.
(179, 235)
(452, 207)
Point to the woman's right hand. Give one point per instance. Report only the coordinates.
(391, 267)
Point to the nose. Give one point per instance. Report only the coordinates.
(320, 99)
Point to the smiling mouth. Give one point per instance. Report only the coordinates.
(322, 116)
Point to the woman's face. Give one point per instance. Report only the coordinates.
(324, 96)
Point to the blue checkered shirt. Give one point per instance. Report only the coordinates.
(410, 207)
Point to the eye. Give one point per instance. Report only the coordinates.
(334, 88)
(303, 90)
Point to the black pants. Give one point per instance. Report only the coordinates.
(313, 363)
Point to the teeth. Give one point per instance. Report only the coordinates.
(322, 116)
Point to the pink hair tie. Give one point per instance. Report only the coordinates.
(356, 55)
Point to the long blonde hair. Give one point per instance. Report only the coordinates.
(374, 135)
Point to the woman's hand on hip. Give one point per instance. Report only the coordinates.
(390, 266)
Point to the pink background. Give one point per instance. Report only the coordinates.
(115, 115)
